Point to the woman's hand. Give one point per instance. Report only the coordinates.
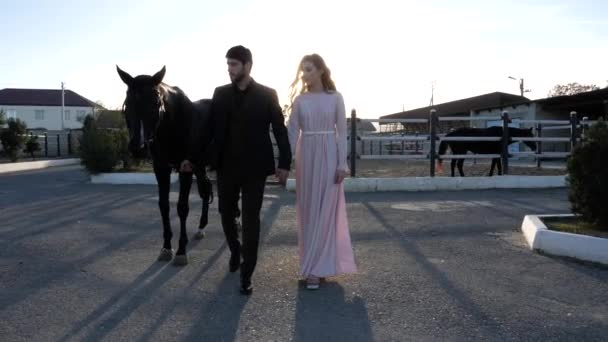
(340, 175)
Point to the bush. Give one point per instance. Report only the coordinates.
(32, 146)
(13, 138)
(588, 176)
(99, 150)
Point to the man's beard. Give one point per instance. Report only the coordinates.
(238, 78)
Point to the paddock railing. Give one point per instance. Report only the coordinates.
(401, 146)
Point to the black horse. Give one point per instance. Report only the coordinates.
(481, 147)
(165, 124)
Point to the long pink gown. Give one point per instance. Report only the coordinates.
(317, 132)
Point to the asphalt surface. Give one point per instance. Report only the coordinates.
(78, 263)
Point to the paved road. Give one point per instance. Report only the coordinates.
(77, 263)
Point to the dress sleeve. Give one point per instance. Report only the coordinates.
(341, 133)
(294, 126)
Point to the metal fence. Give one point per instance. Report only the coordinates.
(424, 146)
(55, 145)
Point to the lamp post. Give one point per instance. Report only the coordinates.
(62, 106)
(521, 85)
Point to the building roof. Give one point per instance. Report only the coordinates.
(42, 97)
(595, 102)
(461, 107)
(362, 125)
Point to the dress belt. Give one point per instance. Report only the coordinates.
(317, 132)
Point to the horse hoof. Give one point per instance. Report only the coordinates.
(180, 260)
(199, 235)
(165, 255)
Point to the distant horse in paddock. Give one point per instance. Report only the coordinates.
(481, 147)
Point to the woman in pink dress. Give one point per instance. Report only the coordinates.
(317, 132)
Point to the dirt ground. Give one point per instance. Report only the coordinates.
(416, 168)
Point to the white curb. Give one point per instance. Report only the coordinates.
(128, 178)
(577, 246)
(35, 165)
(446, 183)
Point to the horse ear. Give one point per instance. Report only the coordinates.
(158, 77)
(124, 76)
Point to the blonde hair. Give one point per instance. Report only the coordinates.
(298, 87)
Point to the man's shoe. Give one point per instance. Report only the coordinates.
(246, 288)
(235, 262)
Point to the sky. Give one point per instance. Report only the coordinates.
(384, 55)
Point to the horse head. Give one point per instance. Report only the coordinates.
(142, 109)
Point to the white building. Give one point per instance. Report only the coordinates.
(41, 108)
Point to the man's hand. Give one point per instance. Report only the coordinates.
(186, 166)
(340, 175)
(282, 175)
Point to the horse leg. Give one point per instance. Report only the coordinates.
(163, 176)
(205, 191)
(185, 182)
(453, 166)
(460, 163)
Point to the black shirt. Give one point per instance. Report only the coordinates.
(234, 147)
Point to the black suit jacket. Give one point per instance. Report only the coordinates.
(259, 110)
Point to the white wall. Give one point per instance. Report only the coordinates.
(52, 116)
(521, 112)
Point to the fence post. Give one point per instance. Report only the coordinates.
(69, 143)
(433, 137)
(539, 144)
(573, 130)
(505, 143)
(46, 145)
(584, 125)
(58, 145)
(353, 142)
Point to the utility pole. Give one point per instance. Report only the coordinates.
(432, 94)
(522, 90)
(62, 106)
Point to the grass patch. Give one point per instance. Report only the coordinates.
(574, 225)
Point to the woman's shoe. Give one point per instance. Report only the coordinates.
(312, 283)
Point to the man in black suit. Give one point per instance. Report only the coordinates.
(242, 113)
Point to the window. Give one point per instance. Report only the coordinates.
(11, 113)
(39, 114)
(66, 115)
(80, 114)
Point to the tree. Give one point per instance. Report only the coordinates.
(13, 138)
(571, 89)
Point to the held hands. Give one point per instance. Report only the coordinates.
(186, 166)
(340, 175)
(282, 175)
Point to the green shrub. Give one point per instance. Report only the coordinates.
(99, 150)
(32, 146)
(588, 176)
(13, 138)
